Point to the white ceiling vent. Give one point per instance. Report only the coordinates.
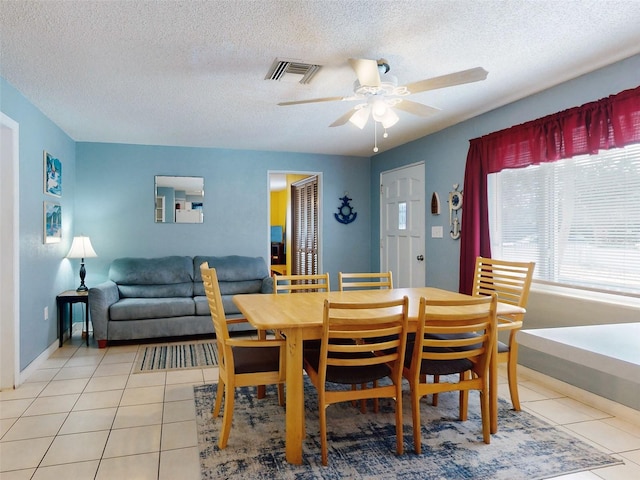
(292, 71)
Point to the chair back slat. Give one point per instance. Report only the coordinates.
(379, 328)
(511, 281)
(466, 331)
(214, 299)
(364, 281)
(301, 283)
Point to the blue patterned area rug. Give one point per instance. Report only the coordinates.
(362, 446)
(172, 356)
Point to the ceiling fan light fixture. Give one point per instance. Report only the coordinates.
(389, 119)
(360, 118)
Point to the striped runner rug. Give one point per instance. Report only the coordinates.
(172, 356)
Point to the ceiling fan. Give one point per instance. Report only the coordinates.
(379, 93)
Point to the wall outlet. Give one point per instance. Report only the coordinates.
(46, 314)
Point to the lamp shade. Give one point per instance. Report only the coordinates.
(81, 248)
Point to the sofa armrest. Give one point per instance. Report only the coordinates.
(267, 285)
(101, 297)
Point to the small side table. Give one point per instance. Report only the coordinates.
(69, 298)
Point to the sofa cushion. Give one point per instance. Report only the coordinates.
(236, 274)
(230, 309)
(142, 308)
(153, 277)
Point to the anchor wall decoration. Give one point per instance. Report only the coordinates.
(345, 213)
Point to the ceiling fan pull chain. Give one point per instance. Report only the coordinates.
(375, 137)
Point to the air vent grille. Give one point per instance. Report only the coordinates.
(292, 71)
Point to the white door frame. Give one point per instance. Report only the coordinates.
(10, 248)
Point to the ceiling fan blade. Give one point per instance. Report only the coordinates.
(449, 80)
(366, 70)
(314, 100)
(344, 118)
(416, 108)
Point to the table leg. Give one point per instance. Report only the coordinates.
(294, 397)
(60, 322)
(86, 320)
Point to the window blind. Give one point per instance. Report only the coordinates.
(578, 219)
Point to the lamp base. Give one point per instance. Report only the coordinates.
(82, 288)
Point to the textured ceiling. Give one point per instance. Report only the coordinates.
(192, 73)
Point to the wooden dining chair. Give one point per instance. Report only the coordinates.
(383, 326)
(511, 281)
(242, 362)
(364, 281)
(453, 337)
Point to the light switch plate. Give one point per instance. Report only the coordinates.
(437, 232)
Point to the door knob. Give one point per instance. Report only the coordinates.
(420, 258)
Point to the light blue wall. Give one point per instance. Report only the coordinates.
(445, 153)
(44, 272)
(115, 203)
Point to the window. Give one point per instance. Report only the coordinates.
(578, 219)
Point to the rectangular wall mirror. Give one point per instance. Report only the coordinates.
(179, 199)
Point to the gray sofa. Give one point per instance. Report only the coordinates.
(164, 297)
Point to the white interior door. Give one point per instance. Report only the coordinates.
(9, 246)
(402, 225)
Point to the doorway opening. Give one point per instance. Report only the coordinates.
(294, 223)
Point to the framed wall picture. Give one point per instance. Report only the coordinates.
(52, 175)
(52, 222)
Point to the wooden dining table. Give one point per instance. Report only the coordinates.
(299, 317)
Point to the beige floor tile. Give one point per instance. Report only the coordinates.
(69, 471)
(65, 387)
(69, 372)
(579, 476)
(23, 454)
(18, 474)
(14, 408)
(142, 395)
(147, 379)
(632, 456)
(583, 408)
(91, 400)
(35, 427)
(606, 435)
(179, 411)
(140, 467)
(558, 412)
(100, 384)
(26, 390)
(625, 425)
(83, 361)
(183, 464)
(627, 471)
(138, 415)
(6, 424)
(185, 376)
(179, 435)
(108, 369)
(76, 447)
(42, 375)
(119, 357)
(210, 375)
(58, 404)
(89, 420)
(54, 362)
(182, 391)
(133, 441)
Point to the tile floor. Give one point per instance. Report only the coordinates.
(83, 415)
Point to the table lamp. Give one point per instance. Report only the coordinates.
(81, 248)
